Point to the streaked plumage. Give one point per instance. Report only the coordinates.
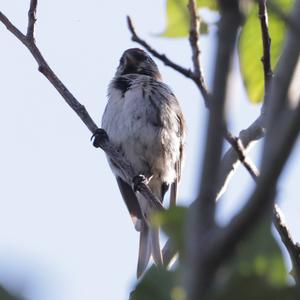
(144, 120)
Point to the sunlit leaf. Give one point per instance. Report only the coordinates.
(250, 48)
(177, 17)
(210, 4)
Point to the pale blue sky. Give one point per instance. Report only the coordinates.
(64, 232)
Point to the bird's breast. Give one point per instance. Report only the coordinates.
(143, 128)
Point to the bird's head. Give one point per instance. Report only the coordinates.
(137, 61)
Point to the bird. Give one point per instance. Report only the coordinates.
(144, 121)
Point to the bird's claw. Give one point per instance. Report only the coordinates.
(137, 180)
(98, 136)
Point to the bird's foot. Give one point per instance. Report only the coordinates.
(137, 180)
(98, 137)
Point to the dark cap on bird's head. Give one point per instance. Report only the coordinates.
(137, 61)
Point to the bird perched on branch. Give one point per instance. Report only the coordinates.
(144, 121)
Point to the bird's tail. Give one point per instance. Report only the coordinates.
(149, 245)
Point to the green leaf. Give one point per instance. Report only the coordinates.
(257, 270)
(210, 4)
(158, 284)
(259, 255)
(251, 49)
(177, 19)
(252, 287)
(4, 295)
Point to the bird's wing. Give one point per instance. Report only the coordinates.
(131, 202)
(178, 164)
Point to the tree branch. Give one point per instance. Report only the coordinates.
(162, 57)
(14, 30)
(76, 106)
(194, 42)
(274, 158)
(231, 160)
(293, 26)
(31, 20)
(201, 221)
(266, 58)
(292, 247)
(240, 150)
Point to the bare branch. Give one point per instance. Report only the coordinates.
(239, 148)
(162, 57)
(14, 30)
(292, 247)
(79, 109)
(230, 160)
(194, 42)
(194, 36)
(186, 72)
(266, 58)
(31, 20)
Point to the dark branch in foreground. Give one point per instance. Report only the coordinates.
(293, 26)
(201, 220)
(78, 108)
(292, 247)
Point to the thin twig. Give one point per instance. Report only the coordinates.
(77, 107)
(162, 57)
(50, 75)
(186, 72)
(31, 19)
(292, 247)
(194, 35)
(12, 28)
(266, 58)
(231, 160)
(238, 146)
